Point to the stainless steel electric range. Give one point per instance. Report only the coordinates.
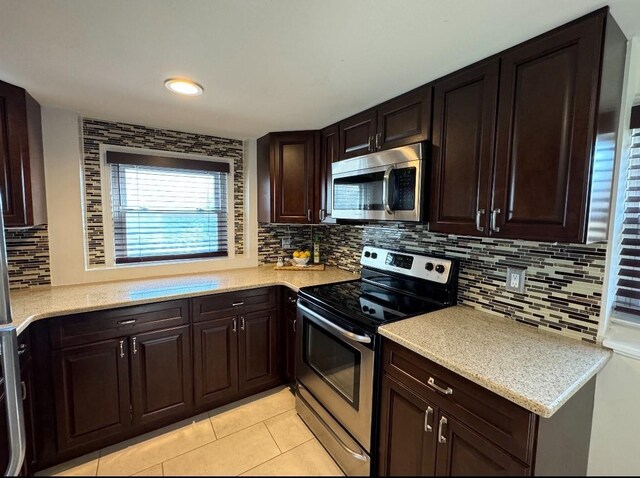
(338, 345)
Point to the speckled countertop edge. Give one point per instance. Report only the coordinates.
(42, 302)
(506, 378)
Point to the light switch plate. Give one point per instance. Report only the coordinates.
(515, 279)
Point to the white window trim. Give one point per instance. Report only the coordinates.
(107, 218)
(620, 331)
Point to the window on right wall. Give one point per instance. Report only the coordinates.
(627, 293)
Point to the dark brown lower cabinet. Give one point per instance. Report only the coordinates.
(215, 366)
(463, 452)
(289, 334)
(258, 350)
(161, 381)
(435, 422)
(408, 443)
(91, 392)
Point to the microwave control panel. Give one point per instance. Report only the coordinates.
(434, 269)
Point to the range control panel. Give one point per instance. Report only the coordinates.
(415, 265)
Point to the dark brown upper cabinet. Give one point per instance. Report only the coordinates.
(21, 158)
(329, 149)
(287, 177)
(464, 112)
(554, 122)
(397, 122)
(552, 109)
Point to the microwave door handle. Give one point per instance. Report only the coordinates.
(385, 190)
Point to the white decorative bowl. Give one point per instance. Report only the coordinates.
(300, 261)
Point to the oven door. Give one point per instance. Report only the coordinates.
(336, 367)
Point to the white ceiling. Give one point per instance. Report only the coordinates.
(266, 65)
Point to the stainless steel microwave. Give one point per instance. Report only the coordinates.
(383, 186)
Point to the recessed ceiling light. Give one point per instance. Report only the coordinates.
(183, 86)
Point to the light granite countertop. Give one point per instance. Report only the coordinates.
(29, 305)
(538, 370)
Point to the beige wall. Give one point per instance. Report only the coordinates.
(63, 176)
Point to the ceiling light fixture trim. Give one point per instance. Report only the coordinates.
(183, 86)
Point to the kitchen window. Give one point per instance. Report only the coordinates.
(167, 208)
(627, 295)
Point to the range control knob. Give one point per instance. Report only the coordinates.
(365, 308)
(429, 266)
(439, 268)
(374, 255)
(372, 311)
(367, 254)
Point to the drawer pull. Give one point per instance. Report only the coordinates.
(238, 304)
(292, 300)
(122, 349)
(427, 427)
(441, 437)
(22, 348)
(127, 322)
(446, 391)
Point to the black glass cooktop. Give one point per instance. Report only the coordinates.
(367, 304)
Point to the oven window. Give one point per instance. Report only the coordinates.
(334, 361)
(362, 192)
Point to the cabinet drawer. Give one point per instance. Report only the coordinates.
(290, 298)
(508, 425)
(232, 303)
(90, 327)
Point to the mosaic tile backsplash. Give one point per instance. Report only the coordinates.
(96, 132)
(28, 256)
(563, 281)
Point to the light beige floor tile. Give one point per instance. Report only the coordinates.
(230, 455)
(230, 419)
(86, 465)
(153, 448)
(308, 459)
(155, 470)
(288, 430)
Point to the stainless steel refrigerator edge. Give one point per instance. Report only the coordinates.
(10, 366)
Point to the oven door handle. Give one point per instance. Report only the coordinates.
(364, 339)
(385, 190)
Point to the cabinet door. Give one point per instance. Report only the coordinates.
(464, 111)
(462, 452)
(258, 354)
(545, 134)
(91, 392)
(215, 351)
(328, 155)
(294, 177)
(407, 432)
(290, 346)
(404, 120)
(161, 381)
(357, 134)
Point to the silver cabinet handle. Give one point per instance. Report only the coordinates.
(294, 326)
(370, 143)
(494, 220)
(22, 348)
(241, 323)
(23, 387)
(122, 349)
(238, 304)
(235, 325)
(385, 190)
(127, 322)
(446, 391)
(292, 300)
(427, 427)
(309, 215)
(378, 136)
(322, 215)
(135, 348)
(479, 214)
(441, 437)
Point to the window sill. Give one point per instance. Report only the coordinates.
(623, 337)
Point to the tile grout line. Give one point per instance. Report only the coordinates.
(249, 426)
(281, 454)
(264, 422)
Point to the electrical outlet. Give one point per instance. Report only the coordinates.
(286, 243)
(515, 279)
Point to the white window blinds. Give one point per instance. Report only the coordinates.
(167, 208)
(628, 286)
